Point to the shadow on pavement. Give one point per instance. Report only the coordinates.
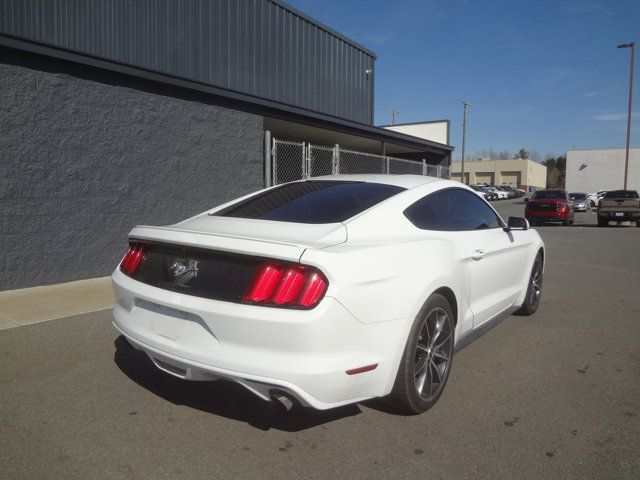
(223, 398)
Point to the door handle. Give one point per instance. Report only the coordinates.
(477, 254)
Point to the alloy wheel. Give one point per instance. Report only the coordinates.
(434, 349)
(535, 287)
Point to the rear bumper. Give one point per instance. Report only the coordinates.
(620, 216)
(305, 353)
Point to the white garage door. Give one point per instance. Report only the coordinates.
(485, 177)
(511, 178)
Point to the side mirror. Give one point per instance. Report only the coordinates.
(526, 199)
(518, 223)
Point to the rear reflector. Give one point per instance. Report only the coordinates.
(368, 368)
(286, 285)
(132, 259)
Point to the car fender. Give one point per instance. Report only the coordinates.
(437, 284)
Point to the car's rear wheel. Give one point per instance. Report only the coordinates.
(534, 288)
(426, 361)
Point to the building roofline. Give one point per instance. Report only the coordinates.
(264, 106)
(324, 27)
(415, 123)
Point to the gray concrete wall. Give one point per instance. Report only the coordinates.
(601, 169)
(86, 154)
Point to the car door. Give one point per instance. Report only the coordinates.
(494, 256)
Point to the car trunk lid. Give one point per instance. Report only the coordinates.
(217, 257)
(246, 236)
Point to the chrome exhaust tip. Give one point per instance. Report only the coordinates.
(286, 400)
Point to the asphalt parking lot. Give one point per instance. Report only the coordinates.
(556, 395)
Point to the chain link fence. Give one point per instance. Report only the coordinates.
(296, 160)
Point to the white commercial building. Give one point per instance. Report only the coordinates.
(601, 169)
(434, 130)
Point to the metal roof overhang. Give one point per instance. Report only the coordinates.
(355, 136)
(316, 125)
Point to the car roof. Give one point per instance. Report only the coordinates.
(404, 181)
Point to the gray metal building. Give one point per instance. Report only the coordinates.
(117, 113)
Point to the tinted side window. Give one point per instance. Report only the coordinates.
(453, 209)
(468, 212)
(429, 213)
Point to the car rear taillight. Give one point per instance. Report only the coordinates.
(132, 259)
(286, 285)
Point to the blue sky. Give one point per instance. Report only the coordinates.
(540, 75)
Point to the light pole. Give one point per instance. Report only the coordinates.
(626, 155)
(464, 137)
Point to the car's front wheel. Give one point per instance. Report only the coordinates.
(534, 289)
(426, 361)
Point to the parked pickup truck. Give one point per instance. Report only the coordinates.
(619, 206)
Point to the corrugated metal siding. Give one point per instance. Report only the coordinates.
(256, 47)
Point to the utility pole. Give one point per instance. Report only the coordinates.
(393, 113)
(626, 155)
(464, 137)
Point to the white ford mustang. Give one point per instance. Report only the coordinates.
(328, 291)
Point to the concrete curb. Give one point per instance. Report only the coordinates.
(40, 304)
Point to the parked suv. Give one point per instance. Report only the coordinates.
(549, 206)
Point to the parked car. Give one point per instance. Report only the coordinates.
(619, 206)
(549, 206)
(490, 194)
(502, 195)
(580, 201)
(485, 194)
(594, 198)
(516, 191)
(328, 291)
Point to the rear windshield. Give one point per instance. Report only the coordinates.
(312, 201)
(578, 196)
(621, 194)
(548, 195)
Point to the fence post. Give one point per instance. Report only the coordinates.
(387, 164)
(424, 167)
(336, 160)
(274, 163)
(304, 160)
(268, 165)
(439, 171)
(307, 161)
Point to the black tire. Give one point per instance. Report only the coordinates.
(603, 221)
(426, 359)
(566, 222)
(638, 223)
(534, 288)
